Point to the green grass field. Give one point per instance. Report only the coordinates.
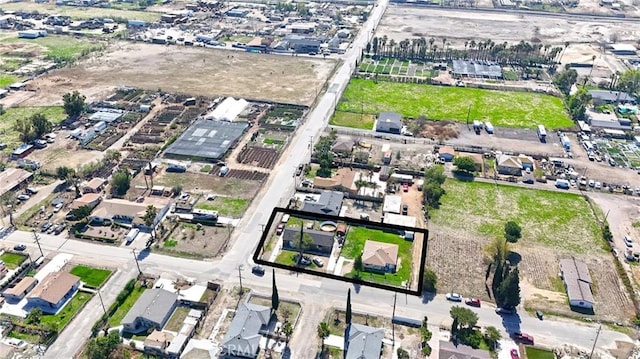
(7, 135)
(556, 219)
(60, 320)
(12, 260)
(60, 48)
(506, 109)
(6, 80)
(79, 13)
(233, 207)
(353, 120)
(535, 353)
(92, 277)
(123, 309)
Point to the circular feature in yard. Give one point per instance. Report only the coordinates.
(328, 226)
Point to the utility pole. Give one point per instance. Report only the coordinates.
(595, 341)
(37, 238)
(393, 326)
(136, 258)
(240, 278)
(101, 302)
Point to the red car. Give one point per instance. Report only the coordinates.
(474, 302)
(405, 187)
(514, 354)
(280, 228)
(523, 338)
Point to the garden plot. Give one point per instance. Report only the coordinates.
(259, 156)
(625, 153)
(272, 139)
(388, 66)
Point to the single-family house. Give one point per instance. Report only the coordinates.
(91, 200)
(389, 122)
(577, 282)
(343, 147)
(53, 291)
(152, 311)
(157, 342)
(509, 165)
(96, 185)
(478, 161)
(603, 97)
(20, 290)
(379, 256)
(330, 202)
(243, 336)
(12, 178)
(449, 350)
(343, 181)
(318, 242)
(362, 342)
(446, 153)
(129, 213)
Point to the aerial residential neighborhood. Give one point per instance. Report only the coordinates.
(296, 180)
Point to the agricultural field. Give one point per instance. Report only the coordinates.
(554, 225)
(7, 120)
(502, 108)
(387, 66)
(79, 13)
(54, 47)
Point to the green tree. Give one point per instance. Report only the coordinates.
(112, 156)
(492, 336)
(565, 79)
(103, 347)
(287, 330)
(275, 298)
(25, 129)
(512, 231)
(323, 333)
(464, 163)
(432, 192)
(402, 354)
(73, 103)
(435, 174)
(577, 103)
(629, 81)
(150, 215)
(63, 172)
(464, 317)
(508, 292)
(81, 212)
(429, 280)
(41, 125)
(120, 183)
(34, 316)
(425, 333)
(358, 265)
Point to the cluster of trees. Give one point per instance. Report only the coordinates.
(432, 190)
(73, 104)
(323, 154)
(506, 278)
(464, 321)
(429, 280)
(120, 182)
(33, 127)
(105, 347)
(465, 164)
(520, 54)
(425, 336)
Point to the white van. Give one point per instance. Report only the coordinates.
(131, 235)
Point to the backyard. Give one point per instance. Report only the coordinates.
(535, 353)
(92, 277)
(502, 108)
(12, 260)
(60, 320)
(353, 120)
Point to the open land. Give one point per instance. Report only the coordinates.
(77, 12)
(217, 73)
(56, 48)
(505, 109)
(554, 226)
(7, 120)
(456, 27)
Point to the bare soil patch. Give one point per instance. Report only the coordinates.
(208, 72)
(194, 239)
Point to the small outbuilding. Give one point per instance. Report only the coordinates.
(577, 282)
(389, 122)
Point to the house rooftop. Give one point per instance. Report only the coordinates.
(320, 238)
(577, 280)
(152, 305)
(243, 335)
(22, 285)
(54, 287)
(86, 199)
(330, 202)
(11, 178)
(364, 342)
(379, 253)
(448, 350)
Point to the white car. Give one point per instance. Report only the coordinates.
(454, 297)
(598, 185)
(592, 183)
(23, 197)
(628, 241)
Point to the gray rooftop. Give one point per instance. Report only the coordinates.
(106, 115)
(329, 203)
(577, 280)
(153, 305)
(471, 68)
(363, 342)
(207, 140)
(243, 335)
(611, 96)
(448, 350)
(320, 238)
(389, 122)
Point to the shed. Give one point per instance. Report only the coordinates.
(577, 282)
(389, 122)
(392, 204)
(447, 153)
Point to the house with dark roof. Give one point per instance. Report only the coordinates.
(379, 256)
(577, 282)
(449, 350)
(152, 311)
(322, 242)
(389, 122)
(446, 153)
(330, 202)
(343, 146)
(245, 331)
(363, 342)
(603, 97)
(54, 291)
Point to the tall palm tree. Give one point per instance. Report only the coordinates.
(323, 333)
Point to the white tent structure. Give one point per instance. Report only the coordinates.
(228, 110)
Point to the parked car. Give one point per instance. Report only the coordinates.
(522, 338)
(628, 241)
(305, 261)
(299, 170)
(19, 247)
(405, 187)
(505, 310)
(280, 228)
(317, 261)
(454, 297)
(31, 190)
(405, 209)
(592, 183)
(45, 226)
(257, 270)
(528, 180)
(60, 228)
(23, 197)
(474, 302)
(514, 354)
(58, 207)
(539, 314)
(598, 185)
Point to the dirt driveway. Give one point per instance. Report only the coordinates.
(190, 70)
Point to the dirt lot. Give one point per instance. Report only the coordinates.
(213, 73)
(400, 22)
(195, 239)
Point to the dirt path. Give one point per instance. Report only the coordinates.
(413, 199)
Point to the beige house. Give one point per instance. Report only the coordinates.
(380, 257)
(24, 286)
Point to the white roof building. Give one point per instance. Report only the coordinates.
(228, 110)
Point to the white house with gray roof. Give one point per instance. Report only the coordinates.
(243, 337)
(330, 203)
(152, 310)
(363, 342)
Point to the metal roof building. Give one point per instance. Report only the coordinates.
(206, 140)
(106, 115)
(476, 69)
(152, 310)
(577, 281)
(363, 342)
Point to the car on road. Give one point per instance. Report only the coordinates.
(280, 228)
(19, 247)
(299, 170)
(317, 261)
(454, 297)
(522, 338)
(474, 302)
(257, 270)
(528, 180)
(539, 314)
(505, 310)
(23, 197)
(514, 354)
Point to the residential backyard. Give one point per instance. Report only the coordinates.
(12, 260)
(60, 320)
(502, 108)
(354, 120)
(92, 277)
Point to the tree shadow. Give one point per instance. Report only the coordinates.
(514, 258)
(427, 296)
(511, 323)
(356, 287)
(463, 176)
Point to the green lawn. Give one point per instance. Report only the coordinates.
(7, 120)
(502, 108)
(177, 318)
(67, 313)
(354, 244)
(233, 207)
(353, 120)
(6, 80)
(123, 309)
(81, 12)
(61, 48)
(535, 353)
(92, 277)
(556, 219)
(12, 260)
(286, 257)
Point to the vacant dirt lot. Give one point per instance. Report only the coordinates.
(400, 22)
(205, 72)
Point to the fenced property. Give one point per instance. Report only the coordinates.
(386, 66)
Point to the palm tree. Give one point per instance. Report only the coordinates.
(323, 333)
(149, 219)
